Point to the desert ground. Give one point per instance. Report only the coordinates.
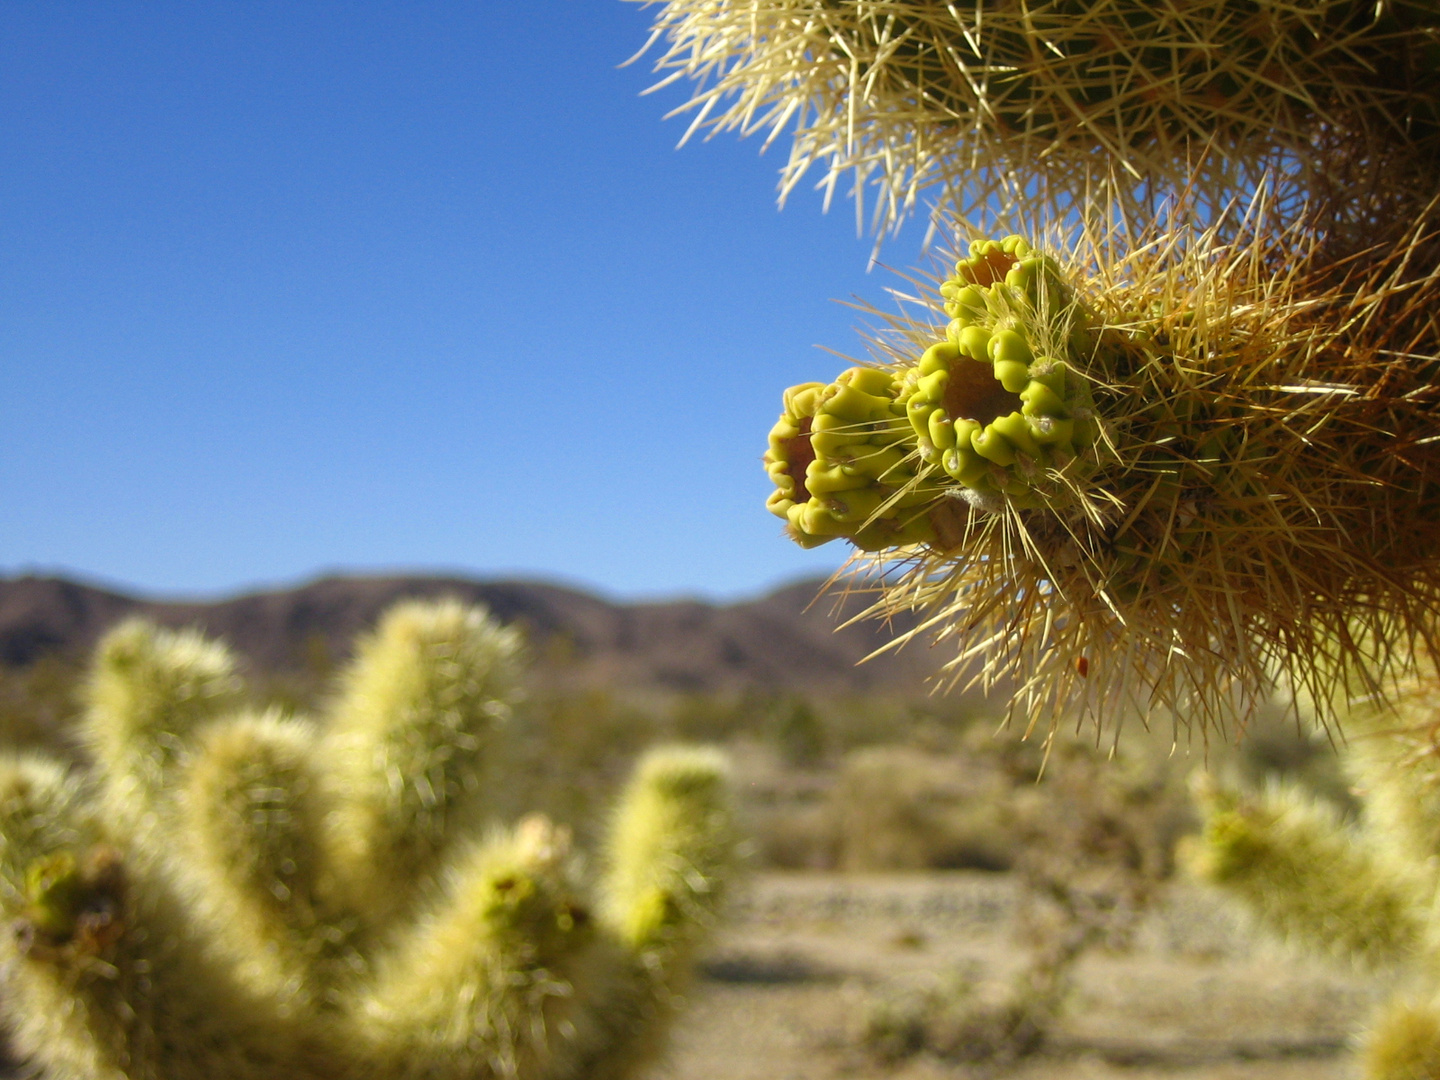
(804, 958)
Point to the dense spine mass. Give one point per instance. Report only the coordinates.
(1185, 451)
(237, 895)
(1085, 477)
(1056, 103)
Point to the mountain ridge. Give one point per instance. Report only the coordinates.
(783, 641)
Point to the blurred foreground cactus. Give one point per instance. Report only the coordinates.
(1174, 447)
(235, 894)
(1362, 889)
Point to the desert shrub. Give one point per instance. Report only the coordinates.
(39, 704)
(1092, 842)
(899, 808)
(953, 1021)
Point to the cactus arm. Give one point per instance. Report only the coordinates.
(501, 975)
(669, 852)
(1311, 877)
(669, 847)
(149, 689)
(252, 857)
(408, 762)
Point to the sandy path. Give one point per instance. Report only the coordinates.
(1200, 996)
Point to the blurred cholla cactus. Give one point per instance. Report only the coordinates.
(1058, 101)
(1160, 448)
(1361, 889)
(243, 895)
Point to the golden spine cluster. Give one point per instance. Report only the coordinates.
(1053, 103)
(1191, 456)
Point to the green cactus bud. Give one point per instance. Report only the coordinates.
(841, 467)
(983, 399)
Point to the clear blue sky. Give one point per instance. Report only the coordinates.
(295, 287)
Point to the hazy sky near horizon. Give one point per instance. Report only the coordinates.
(299, 287)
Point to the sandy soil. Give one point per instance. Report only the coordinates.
(784, 990)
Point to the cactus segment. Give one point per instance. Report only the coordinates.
(1100, 101)
(842, 467)
(669, 848)
(150, 689)
(421, 710)
(1309, 876)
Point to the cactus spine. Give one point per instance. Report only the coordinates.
(1183, 455)
(236, 894)
(1053, 103)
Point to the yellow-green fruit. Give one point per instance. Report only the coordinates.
(840, 459)
(997, 417)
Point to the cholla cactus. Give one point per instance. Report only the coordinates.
(1053, 102)
(240, 895)
(1188, 452)
(1364, 889)
(1181, 468)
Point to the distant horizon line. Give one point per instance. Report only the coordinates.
(555, 580)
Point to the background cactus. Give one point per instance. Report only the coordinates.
(234, 894)
(1363, 888)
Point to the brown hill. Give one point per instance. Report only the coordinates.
(780, 642)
